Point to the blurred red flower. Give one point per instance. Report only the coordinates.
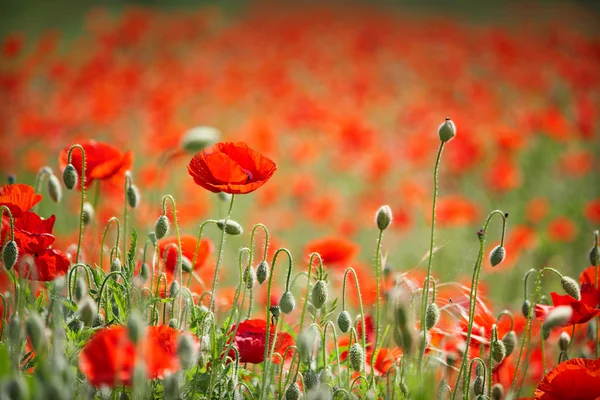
(592, 211)
(19, 198)
(231, 168)
(335, 251)
(188, 249)
(562, 229)
(102, 162)
(571, 380)
(250, 341)
(583, 310)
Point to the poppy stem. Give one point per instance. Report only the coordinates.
(70, 285)
(377, 307)
(127, 185)
(220, 255)
(11, 220)
(483, 368)
(493, 338)
(543, 347)
(426, 286)
(178, 265)
(42, 173)
(110, 221)
(337, 350)
(360, 305)
(310, 264)
(82, 178)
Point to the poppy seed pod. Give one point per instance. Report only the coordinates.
(292, 392)
(249, 276)
(432, 316)
(478, 385)
(319, 294)
(133, 196)
(199, 137)
(497, 255)
(344, 321)
(563, 341)
(162, 226)
(54, 188)
(571, 287)
(287, 303)
(70, 176)
(510, 342)
(525, 308)
(311, 380)
(498, 351)
(35, 330)
(10, 253)
(447, 130)
(262, 272)
(186, 351)
(559, 316)
(88, 312)
(230, 227)
(356, 356)
(88, 213)
(383, 217)
(497, 391)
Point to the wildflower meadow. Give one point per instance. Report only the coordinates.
(299, 200)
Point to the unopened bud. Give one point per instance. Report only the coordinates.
(497, 391)
(525, 308)
(35, 331)
(173, 323)
(287, 303)
(498, 351)
(134, 327)
(559, 316)
(497, 255)
(398, 338)
(133, 196)
(171, 386)
(88, 213)
(186, 351)
(10, 253)
(478, 385)
(510, 342)
(98, 321)
(344, 321)
(292, 392)
(14, 330)
(447, 130)
(275, 311)
(383, 217)
(88, 312)
(356, 356)
(311, 380)
(186, 264)
(249, 276)
(262, 272)
(199, 137)
(563, 341)
(17, 389)
(432, 316)
(144, 272)
(161, 227)
(230, 227)
(80, 289)
(54, 188)
(115, 265)
(595, 251)
(571, 287)
(224, 197)
(70, 176)
(319, 294)
(174, 289)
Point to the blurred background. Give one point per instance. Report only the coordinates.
(346, 98)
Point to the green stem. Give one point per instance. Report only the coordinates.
(70, 285)
(377, 307)
(360, 305)
(127, 185)
(310, 264)
(493, 338)
(82, 179)
(111, 220)
(219, 256)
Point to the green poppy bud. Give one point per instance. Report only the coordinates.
(563, 341)
(497, 255)
(432, 316)
(497, 392)
(115, 265)
(525, 308)
(199, 137)
(275, 311)
(186, 351)
(16, 388)
(447, 130)
(80, 289)
(292, 392)
(161, 227)
(14, 330)
(54, 188)
(144, 272)
(311, 380)
(135, 327)
(287, 303)
(249, 276)
(230, 227)
(133, 196)
(510, 342)
(174, 289)
(98, 321)
(70, 177)
(35, 330)
(356, 356)
(571, 287)
(478, 385)
(383, 217)
(262, 272)
(498, 351)
(186, 264)
(319, 294)
(88, 311)
(10, 253)
(88, 213)
(344, 321)
(594, 256)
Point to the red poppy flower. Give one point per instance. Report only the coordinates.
(231, 168)
(583, 310)
(588, 275)
(102, 161)
(188, 248)
(19, 198)
(250, 341)
(562, 229)
(161, 350)
(44, 266)
(333, 250)
(571, 380)
(386, 359)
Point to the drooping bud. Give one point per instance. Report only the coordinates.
(70, 177)
(152, 237)
(262, 272)
(171, 386)
(144, 272)
(230, 227)
(249, 276)
(311, 380)
(510, 342)
(135, 327)
(199, 137)
(10, 253)
(497, 391)
(325, 376)
(11, 179)
(344, 321)
(398, 338)
(275, 311)
(400, 316)
(174, 289)
(54, 188)
(76, 325)
(546, 332)
(497, 255)
(571, 287)
(383, 217)
(292, 392)
(307, 343)
(115, 265)
(525, 308)
(186, 351)
(35, 331)
(133, 196)
(594, 256)
(447, 130)
(319, 294)
(498, 351)
(161, 227)
(88, 312)
(287, 303)
(173, 323)
(186, 264)
(80, 289)
(478, 385)
(432, 316)
(356, 356)
(563, 341)
(14, 330)
(559, 316)
(88, 213)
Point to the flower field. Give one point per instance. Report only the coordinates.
(300, 201)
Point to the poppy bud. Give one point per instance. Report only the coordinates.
(11, 179)
(249, 276)
(140, 376)
(544, 300)
(356, 356)
(307, 342)
(571, 287)
(498, 351)
(70, 176)
(432, 316)
(186, 264)
(510, 342)
(134, 327)
(186, 351)
(275, 311)
(344, 321)
(546, 332)
(199, 137)
(14, 330)
(325, 376)
(16, 388)
(88, 312)
(525, 308)
(144, 272)
(262, 272)
(88, 213)
(287, 303)
(594, 256)
(35, 330)
(10, 253)
(311, 380)
(174, 289)
(479, 370)
(76, 325)
(404, 390)
(54, 188)
(80, 289)
(171, 386)
(497, 391)
(133, 196)
(205, 343)
(152, 236)
(478, 385)
(447, 130)
(398, 337)
(98, 321)
(292, 392)
(230, 227)
(319, 294)
(497, 255)
(162, 226)
(563, 341)
(115, 265)
(559, 316)
(383, 217)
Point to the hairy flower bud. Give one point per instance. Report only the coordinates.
(88, 213)
(594, 256)
(447, 130)
(510, 342)
(70, 176)
(98, 321)
(478, 385)
(262, 272)
(275, 311)
(115, 265)
(35, 330)
(432, 316)
(186, 351)
(186, 264)
(497, 255)
(54, 188)
(356, 356)
(249, 276)
(10, 253)
(174, 289)
(292, 392)
(199, 137)
(144, 272)
(319, 294)
(498, 351)
(230, 227)
(287, 303)
(383, 217)
(525, 308)
(135, 327)
(88, 312)
(571, 287)
(563, 341)
(311, 380)
(497, 391)
(133, 196)
(80, 289)
(559, 316)
(14, 330)
(162, 226)
(344, 321)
